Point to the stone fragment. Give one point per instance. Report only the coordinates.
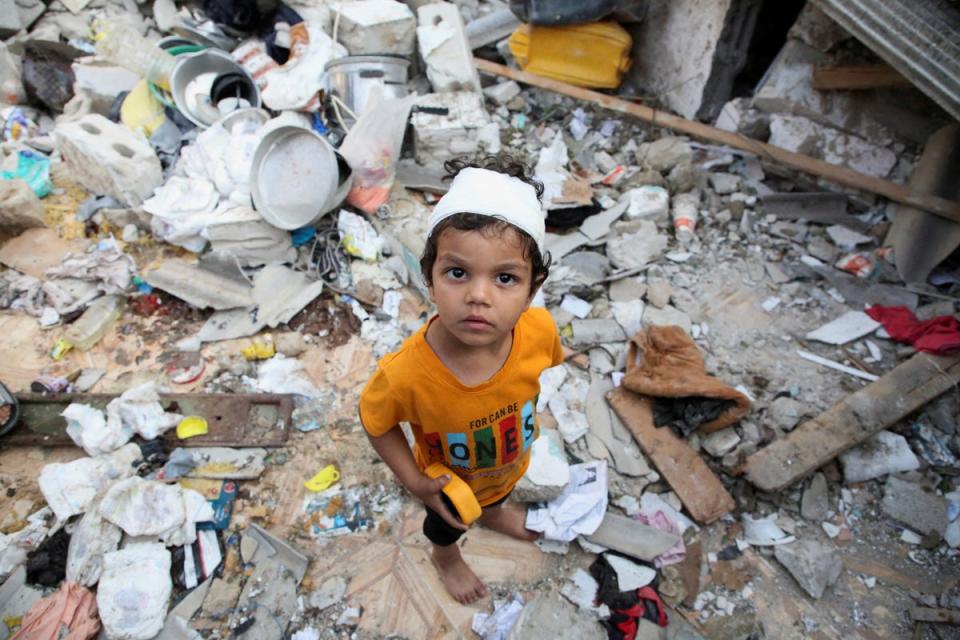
(329, 593)
(820, 249)
(664, 154)
(596, 331)
(669, 315)
(445, 48)
(802, 135)
(911, 504)
(645, 178)
(502, 92)
(649, 201)
(376, 27)
(785, 413)
(685, 177)
(658, 293)
(815, 504)
(440, 137)
(20, 208)
(724, 183)
(549, 471)
(627, 290)
(550, 616)
(11, 79)
(289, 343)
(884, 453)
(221, 598)
(737, 116)
(719, 443)
(817, 29)
(813, 565)
(109, 159)
(634, 250)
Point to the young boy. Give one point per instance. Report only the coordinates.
(468, 381)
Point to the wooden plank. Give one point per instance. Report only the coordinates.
(691, 479)
(925, 614)
(841, 175)
(851, 421)
(233, 419)
(879, 76)
(632, 537)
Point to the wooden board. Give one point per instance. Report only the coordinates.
(841, 175)
(234, 420)
(880, 76)
(691, 479)
(851, 421)
(924, 614)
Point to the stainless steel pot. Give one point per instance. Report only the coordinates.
(351, 78)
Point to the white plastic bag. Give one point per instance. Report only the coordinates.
(134, 591)
(90, 430)
(91, 539)
(70, 487)
(372, 147)
(143, 507)
(283, 375)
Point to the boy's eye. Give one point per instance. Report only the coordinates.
(505, 278)
(456, 273)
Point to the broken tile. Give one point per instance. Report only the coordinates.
(847, 328)
(813, 565)
(884, 453)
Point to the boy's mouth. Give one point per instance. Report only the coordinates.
(477, 322)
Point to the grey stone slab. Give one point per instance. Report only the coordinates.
(632, 537)
(915, 507)
(813, 565)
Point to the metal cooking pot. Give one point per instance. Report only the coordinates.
(350, 78)
(195, 75)
(297, 177)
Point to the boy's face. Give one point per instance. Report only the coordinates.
(480, 284)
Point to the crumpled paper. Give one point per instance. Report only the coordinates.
(579, 510)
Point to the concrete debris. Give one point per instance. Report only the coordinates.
(720, 443)
(439, 137)
(549, 471)
(813, 565)
(847, 328)
(914, 506)
(550, 616)
(376, 27)
(20, 208)
(581, 589)
(664, 154)
(815, 504)
(328, 594)
(635, 250)
(445, 48)
(632, 537)
(883, 454)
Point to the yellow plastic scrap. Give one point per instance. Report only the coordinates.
(140, 111)
(60, 349)
(192, 426)
(12, 622)
(322, 481)
(261, 349)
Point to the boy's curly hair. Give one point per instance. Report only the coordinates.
(501, 163)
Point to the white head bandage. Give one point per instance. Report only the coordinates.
(491, 193)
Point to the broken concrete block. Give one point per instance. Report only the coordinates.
(376, 27)
(627, 290)
(815, 504)
(11, 78)
(847, 328)
(649, 201)
(664, 154)
(802, 135)
(813, 565)
(103, 81)
(440, 137)
(737, 116)
(444, 47)
(720, 443)
(328, 594)
(634, 250)
(817, 29)
(550, 616)
(658, 293)
(785, 413)
(911, 504)
(502, 92)
(882, 454)
(290, 343)
(596, 331)
(20, 208)
(109, 159)
(724, 183)
(549, 471)
(221, 598)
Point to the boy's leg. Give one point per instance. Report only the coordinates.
(459, 579)
(508, 518)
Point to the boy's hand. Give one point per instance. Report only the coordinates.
(428, 491)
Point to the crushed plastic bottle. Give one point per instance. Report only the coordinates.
(87, 330)
(685, 212)
(123, 45)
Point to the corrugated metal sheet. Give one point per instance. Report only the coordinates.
(919, 38)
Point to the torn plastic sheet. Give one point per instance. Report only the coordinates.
(499, 624)
(15, 546)
(360, 239)
(136, 411)
(69, 488)
(578, 510)
(296, 84)
(551, 171)
(225, 158)
(104, 264)
(181, 209)
(91, 539)
(134, 591)
(284, 375)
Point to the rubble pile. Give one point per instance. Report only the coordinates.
(213, 216)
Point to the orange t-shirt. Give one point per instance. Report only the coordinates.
(482, 433)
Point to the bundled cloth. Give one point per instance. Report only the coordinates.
(70, 613)
(664, 363)
(940, 335)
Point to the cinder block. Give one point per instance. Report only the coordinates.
(445, 49)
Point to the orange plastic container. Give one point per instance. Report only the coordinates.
(596, 54)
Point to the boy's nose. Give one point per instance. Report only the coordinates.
(478, 292)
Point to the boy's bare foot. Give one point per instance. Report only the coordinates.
(508, 518)
(459, 579)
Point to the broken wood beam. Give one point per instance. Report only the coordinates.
(944, 616)
(851, 421)
(688, 475)
(835, 173)
(881, 76)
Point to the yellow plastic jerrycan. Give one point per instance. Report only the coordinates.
(596, 54)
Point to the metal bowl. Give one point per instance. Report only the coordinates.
(297, 177)
(245, 120)
(192, 79)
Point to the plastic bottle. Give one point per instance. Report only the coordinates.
(87, 330)
(123, 45)
(685, 211)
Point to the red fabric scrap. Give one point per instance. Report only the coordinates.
(940, 335)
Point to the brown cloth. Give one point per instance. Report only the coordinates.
(70, 613)
(664, 362)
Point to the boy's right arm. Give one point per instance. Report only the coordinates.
(393, 448)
